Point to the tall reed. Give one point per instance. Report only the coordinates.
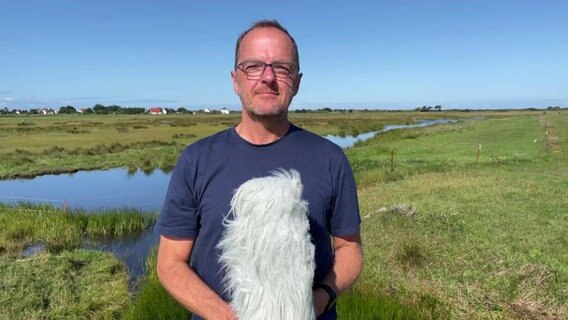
(27, 223)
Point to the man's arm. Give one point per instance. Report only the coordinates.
(181, 281)
(345, 270)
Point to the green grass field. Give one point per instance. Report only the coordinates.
(35, 145)
(488, 240)
(76, 284)
(448, 233)
(63, 281)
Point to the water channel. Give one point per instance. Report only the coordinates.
(116, 188)
(350, 141)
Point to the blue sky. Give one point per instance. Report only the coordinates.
(367, 54)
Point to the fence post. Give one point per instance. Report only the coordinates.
(392, 160)
(478, 152)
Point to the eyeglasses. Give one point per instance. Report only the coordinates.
(255, 69)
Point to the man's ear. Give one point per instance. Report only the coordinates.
(297, 84)
(235, 85)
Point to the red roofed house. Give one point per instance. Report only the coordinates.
(157, 110)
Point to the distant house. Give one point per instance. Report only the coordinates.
(206, 110)
(157, 110)
(47, 111)
(225, 111)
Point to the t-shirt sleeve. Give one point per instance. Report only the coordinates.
(178, 217)
(345, 219)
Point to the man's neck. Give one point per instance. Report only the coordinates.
(263, 130)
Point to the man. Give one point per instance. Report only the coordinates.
(266, 77)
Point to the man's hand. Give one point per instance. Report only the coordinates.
(179, 279)
(345, 270)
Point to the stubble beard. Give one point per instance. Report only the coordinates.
(258, 114)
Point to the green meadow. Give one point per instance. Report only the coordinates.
(34, 145)
(460, 221)
(482, 238)
(63, 281)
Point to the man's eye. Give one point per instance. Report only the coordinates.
(282, 68)
(254, 67)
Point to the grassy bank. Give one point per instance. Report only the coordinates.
(450, 235)
(63, 282)
(37, 145)
(27, 224)
(450, 231)
(485, 239)
(75, 284)
(153, 302)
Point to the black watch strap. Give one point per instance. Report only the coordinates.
(332, 295)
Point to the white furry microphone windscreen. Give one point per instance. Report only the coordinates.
(266, 250)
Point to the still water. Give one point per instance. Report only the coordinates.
(91, 190)
(116, 188)
(349, 141)
(132, 249)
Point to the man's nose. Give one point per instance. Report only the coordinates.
(268, 74)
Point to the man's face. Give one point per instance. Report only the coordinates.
(266, 95)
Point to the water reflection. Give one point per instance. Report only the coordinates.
(32, 249)
(116, 188)
(91, 190)
(132, 249)
(349, 141)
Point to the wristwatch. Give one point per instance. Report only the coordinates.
(330, 293)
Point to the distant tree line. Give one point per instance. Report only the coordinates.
(324, 110)
(102, 109)
(97, 109)
(429, 108)
(5, 110)
(116, 109)
(67, 110)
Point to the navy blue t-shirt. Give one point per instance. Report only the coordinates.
(210, 170)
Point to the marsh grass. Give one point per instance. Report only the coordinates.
(488, 241)
(183, 135)
(447, 148)
(76, 284)
(56, 159)
(26, 224)
(363, 304)
(75, 130)
(116, 222)
(63, 282)
(144, 141)
(70, 143)
(153, 302)
(122, 129)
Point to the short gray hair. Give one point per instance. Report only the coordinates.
(267, 24)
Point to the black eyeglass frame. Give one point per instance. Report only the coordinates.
(295, 68)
